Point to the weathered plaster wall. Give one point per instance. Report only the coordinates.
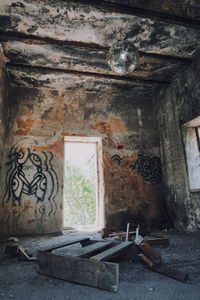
(4, 102)
(44, 108)
(96, 24)
(4, 124)
(176, 106)
(2, 90)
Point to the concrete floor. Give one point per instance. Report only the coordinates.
(19, 279)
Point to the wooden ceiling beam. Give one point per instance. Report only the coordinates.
(69, 57)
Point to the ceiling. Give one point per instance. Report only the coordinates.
(74, 37)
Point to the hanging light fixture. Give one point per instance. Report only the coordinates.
(123, 57)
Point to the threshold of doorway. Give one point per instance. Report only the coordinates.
(82, 228)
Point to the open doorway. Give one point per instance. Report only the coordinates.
(83, 183)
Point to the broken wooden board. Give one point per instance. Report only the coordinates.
(146, 259)
(64, 244)
(150, 252)
(105, 255)
(103, 275)
(170, 272)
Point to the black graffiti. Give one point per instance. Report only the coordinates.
(31, 173)
(117, 159)
(149, 168)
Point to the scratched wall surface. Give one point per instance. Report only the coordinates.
(176, 106)
(47, 108)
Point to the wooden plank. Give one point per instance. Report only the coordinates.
(170, 272)
(105, 255)
(146, 259)
(86, 251)
(152, 241)
(150, 252)
(63, 244)
(102, 275)
(33, 77)
(120, 233)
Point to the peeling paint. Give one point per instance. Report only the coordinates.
(24, 126)
(57, 148)
(112, 126)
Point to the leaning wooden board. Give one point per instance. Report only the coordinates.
(103, 275)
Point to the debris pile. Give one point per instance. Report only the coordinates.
(94, 262)
(147, 254)
(7, 249)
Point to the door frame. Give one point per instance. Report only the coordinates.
(100, 205)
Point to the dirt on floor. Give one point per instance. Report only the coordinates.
(19, 279)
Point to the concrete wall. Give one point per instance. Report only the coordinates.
(177, 105)
(46, 107)
(4, 126)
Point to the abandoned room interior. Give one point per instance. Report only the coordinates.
(100, 149)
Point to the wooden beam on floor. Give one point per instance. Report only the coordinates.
(101, 275)
(155, 241)
(105, 255)
(88, 250)
(63, 244)
(166, 270)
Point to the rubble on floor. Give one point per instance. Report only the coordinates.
(88, 263)
(20, 280)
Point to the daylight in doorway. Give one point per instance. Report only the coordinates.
(83, 199)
